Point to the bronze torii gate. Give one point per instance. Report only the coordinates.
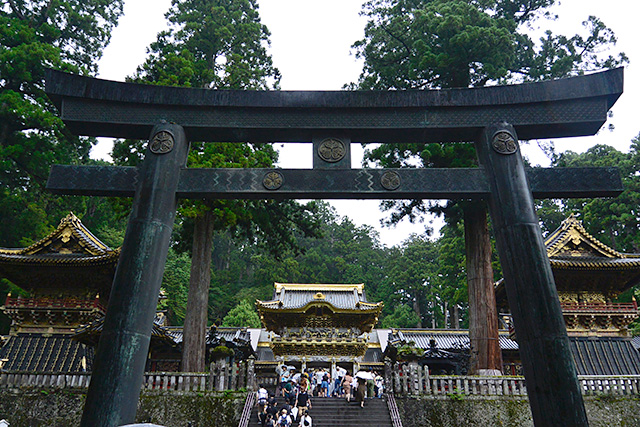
(331, 120)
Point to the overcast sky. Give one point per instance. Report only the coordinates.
(310, 44)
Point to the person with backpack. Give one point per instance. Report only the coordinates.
(262, 396)
(269, 422)
(305, 420)
(303, 402)
(284, 420)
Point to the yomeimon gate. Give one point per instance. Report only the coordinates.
(493, 118)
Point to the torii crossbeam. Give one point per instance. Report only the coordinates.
(489, 117)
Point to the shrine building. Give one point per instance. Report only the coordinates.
(68, 276)
(319, 325)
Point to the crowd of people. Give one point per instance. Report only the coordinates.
(297, 389)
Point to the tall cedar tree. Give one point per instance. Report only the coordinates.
(34, 35)
(428, 44)
(220, 44)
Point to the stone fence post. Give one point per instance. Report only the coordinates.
(251, 373)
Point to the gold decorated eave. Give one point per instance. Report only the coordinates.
(631, 263)
(281, 347)
(69, 259)
(69, 229)
(319, 306)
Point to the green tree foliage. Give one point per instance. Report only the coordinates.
(219, 44)
(175, 283)
(428, 44)
(615, 221)
(411, 275)
(416, 44)
(452, 273)
(431, 44)
(34, 35)
(244, 314)
(414, 277)
(402, 317)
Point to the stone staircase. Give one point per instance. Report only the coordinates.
(335, 412)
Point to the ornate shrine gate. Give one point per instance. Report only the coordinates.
(331, 120)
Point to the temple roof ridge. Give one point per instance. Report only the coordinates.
(72, 240)
(319, 286)
(571, 240)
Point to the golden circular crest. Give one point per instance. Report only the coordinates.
(273, 180)
(162, 142)
(390, 180)
(504, 143)
(332, 150)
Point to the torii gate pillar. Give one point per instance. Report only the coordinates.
(124, 342)
(553, 388)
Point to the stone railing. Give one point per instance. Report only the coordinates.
(222, 376)
(415, 380)
(403, 382)
(10, 379)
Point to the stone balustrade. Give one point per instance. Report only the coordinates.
(405, 382)
(413, 380)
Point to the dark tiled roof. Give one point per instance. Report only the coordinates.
(593, 355)
(90, 334)
(240, 336)
(37, 353)
(605, 356)
(444, 339)
(342, 297)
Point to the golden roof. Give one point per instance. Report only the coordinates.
(69, 261)
(70, 243)
(571, 246)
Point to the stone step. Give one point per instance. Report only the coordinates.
(333, 412)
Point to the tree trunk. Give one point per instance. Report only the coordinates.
(416, 308)
(483, 315)
(445, 313)
(433, 317)
(455, 316)
(195, 322)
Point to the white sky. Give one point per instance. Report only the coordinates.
(310, 44)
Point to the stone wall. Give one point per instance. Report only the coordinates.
(471, 411)
(58, 407)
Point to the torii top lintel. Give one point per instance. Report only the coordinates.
(575, 106)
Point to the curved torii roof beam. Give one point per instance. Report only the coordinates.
(559, 108)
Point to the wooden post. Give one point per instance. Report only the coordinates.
(118, 369)
(554, 392)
